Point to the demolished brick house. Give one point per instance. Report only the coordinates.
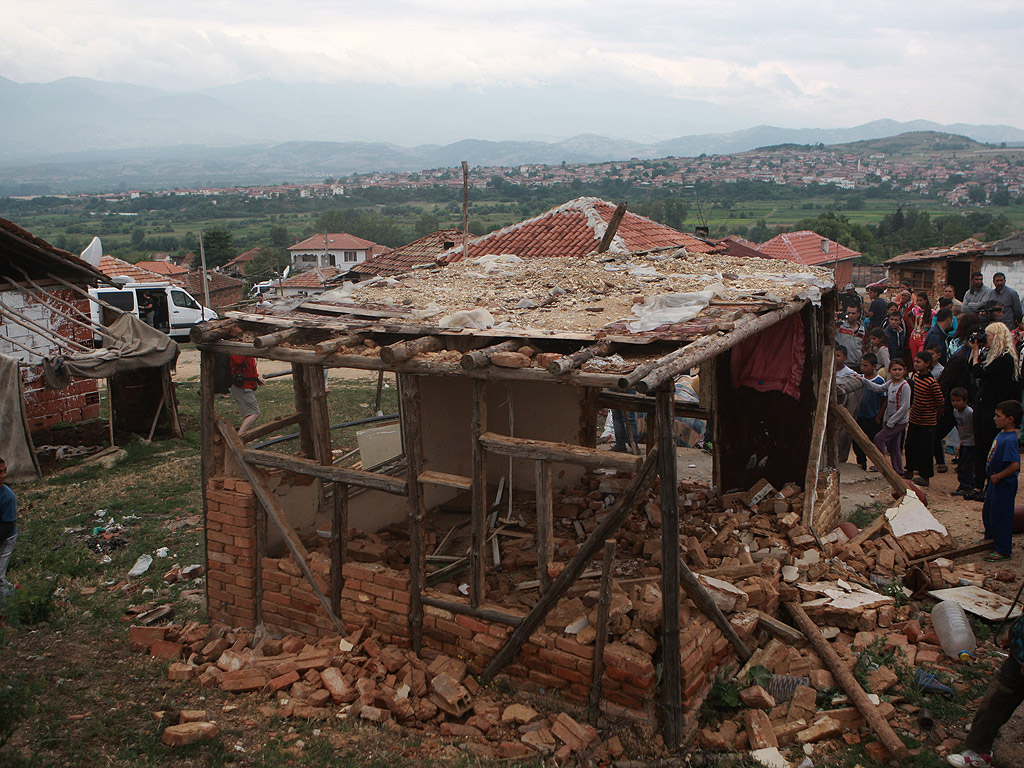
(502, 365)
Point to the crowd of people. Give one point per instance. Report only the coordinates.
(941, 380)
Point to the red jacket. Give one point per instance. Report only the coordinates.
(243, 372)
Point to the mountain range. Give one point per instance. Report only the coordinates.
(75, 134)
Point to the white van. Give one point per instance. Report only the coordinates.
(174, 310)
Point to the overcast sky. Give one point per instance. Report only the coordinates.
(792, 63)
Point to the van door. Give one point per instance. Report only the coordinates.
(185, 312)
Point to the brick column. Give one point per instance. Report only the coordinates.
(231, 550)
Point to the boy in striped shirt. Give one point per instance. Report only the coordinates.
(926, 405)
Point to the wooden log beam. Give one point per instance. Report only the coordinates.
(277, 515)
(272, 426)
(339, 543)
(543, 450)
(617, 514)
(869, 530)
(604, 601)
(953, 554)
(612, 228)
(565, 364)
(446, 480)
(870, 449)
(478, 514)
(88, 324)
(828, 368)
(357, 477)
(300, 390)
(671, 679)
(406, 350)
(779, 629)
(478, 358)
(54, 338)
(210, 331)
(277, 337)
(409, 394)
(545, 522)
(486, 614)
(848, 682)
(704, 602)
(704, 349)
(624, 401)
(333, 345)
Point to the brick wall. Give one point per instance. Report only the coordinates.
(231, 551)
(80, 400)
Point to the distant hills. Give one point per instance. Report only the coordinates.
(79, 134)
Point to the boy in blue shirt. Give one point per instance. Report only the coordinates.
(1002, 468)
(870, 405)
(8, 529)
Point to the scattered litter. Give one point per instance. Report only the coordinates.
(162, 552)
(141, 565)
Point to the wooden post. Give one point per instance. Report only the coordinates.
(339, 543)
(617, 514)
(870, 449)
(206, 459)
(318, 421)
(613, 225)
(848, 683)
(545, 523)
(409, 390)
(709, 398)
(828, 366)
(604, 601)
(465, 210)
(479, 510)
(301, 390)
(671, 679)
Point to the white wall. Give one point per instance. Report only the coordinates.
(1012, 267)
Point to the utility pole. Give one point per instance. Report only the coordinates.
(206, 280)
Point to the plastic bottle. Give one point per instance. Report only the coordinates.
(954, 630)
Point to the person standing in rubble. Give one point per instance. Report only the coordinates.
(8, 530)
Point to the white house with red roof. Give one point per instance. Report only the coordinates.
(340, 250)
(811, 249)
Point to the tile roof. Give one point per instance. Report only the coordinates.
(161, 267)
(242, 259)
(318, 277)
(968, 247)
(805, 247)
(111, 266)
(218, 281)
(335, 242)
(19, 247)
(575, 228)
(425, 250)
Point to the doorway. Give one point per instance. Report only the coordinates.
(958, 274)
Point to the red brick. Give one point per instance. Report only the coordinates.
(142, 638)
(165, 649)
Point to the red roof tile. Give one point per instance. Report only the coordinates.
(806, 247)
(969, 247)
(243, 258)
(161, 267)
(425, 250)
(111, 266)
(318, 277)
(335, 242)
(575, 229)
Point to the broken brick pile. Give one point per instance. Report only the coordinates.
(361, 677)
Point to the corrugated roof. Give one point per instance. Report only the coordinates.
(335, 242)
(576, 228)
(806, 247)
(425, 250)
(969, 247)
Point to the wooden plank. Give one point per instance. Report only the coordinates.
(277, 515)
(409, 392)
(953, 554)
(446, 480)
(357, 477)
(870, 530)
(706, 604)
(848, 683)
(271, 427)
(624, 401)
(543, 450)
(545, 523)
(604, 601)
(671, 679)
(616, 515)
(828, 366)
(778, 628)
(478, 517)
(870, 450)
(486, 614)
(339, 543)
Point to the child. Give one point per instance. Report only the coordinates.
(878, 345)
(895, 335)
(842, 369)
(963, 415)
(897, 410)
(938, 367)
(870, 405)
(1001, 469)
(926, 404)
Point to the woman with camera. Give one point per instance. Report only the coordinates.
(996, 369)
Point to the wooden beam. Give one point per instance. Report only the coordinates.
(409, 391)
(953, 554)
(478, 358)
(616, 515)
(339, 543)
(604, 600)
(780, 629)
(446, 480)
(478, 426)
(277, 337)
(625, 401)
(406, 350)
(207, 430)
(333, 345)
(545, 523)
(565, 364)
(828, 367)
(848, 682)
(277, 515)
(671, 679)
(704, 602)
(268, 428)
(543, 450)
(300, 387)
(613, 225)
(357, 477)
(870, 449)
(498, 617)
(210, 331)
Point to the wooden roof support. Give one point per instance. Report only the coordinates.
(617, 514)
(333, 345)
(543, 450)
(89, 326)
(270, 427)
(339, 542)
(624, 401)
(576, 359)
(478, 358)
(604, 601)
(212, 330)
(487, 614)
(406, 350)
(277, 337)
(207, 430)
(882, 462)
(478, 426)
(300, 392)
(357, 477)
(828, 369)
(409, 393)
(277, 515)
(671, 679)
(84, 316)
(46, 333)
(612, 228)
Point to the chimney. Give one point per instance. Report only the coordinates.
(701, 231)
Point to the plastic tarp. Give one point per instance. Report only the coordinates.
(137, 345)
(671, 308)
(15, 445)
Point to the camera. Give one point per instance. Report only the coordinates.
(979, 337)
